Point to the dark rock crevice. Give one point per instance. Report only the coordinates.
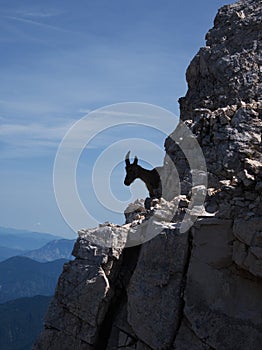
(183, 284)
(203, 341)
(119, 286)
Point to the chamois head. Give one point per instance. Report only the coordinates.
(131, 170)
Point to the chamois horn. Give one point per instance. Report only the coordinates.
(127, 158)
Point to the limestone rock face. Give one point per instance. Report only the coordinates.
(228, 69)
(199, 289)
(221, 302)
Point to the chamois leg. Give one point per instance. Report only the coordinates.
(151, 202)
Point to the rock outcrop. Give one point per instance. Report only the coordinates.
(199, 289)
(228, 70)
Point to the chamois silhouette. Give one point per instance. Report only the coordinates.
(151, 178)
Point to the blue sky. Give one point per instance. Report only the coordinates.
(61, 59)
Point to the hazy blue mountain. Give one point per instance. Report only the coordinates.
(24, 277)
(24, 240)
(6, 253)
(58, 249)
(21, 321)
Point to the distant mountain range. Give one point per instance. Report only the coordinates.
(58, 249)
(24, 277)
(6, 253)
(21, 321)
(24, 240)
(30, 264)
(15, 242)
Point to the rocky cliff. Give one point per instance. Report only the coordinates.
(199, 289)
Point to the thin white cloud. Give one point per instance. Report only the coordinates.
(92, 132)
(118, 113)
(20, 140)
(34, 131)
(36, 23)
(29, 105)
(74, 78)
(27, 140)
(39, 14)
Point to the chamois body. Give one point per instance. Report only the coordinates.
(151, 178)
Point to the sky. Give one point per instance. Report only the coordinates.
(63, 59)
